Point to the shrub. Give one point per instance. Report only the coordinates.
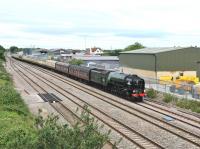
(10, 100)
(83, 135)
(189, 104)
(18, 138)
(151, 93)
(17, 129)
(169, 98)
(49, 134)
(76, 61)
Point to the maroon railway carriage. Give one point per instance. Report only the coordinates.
(80, 72)
(62, 67)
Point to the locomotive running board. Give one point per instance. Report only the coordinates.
(49, 97)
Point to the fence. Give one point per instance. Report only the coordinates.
(181, 90)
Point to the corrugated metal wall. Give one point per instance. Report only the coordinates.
(198, 69)
(140, 61)
(177, 60)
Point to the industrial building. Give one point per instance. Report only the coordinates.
(158, 62)
(105, 62)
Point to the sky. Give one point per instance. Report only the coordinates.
(109, 24)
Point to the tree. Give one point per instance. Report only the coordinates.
(13, 49)
(76, 61)
(134, 46)
(2, 50)
(83, 135)
(115, 52)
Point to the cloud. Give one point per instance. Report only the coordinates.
(143, 34)
(57, 23)
(93, 31)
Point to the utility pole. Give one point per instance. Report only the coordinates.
(85, 38)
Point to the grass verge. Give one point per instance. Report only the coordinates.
(192, 105)
(19, 129)
(15, 117)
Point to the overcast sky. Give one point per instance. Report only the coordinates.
(104, 23)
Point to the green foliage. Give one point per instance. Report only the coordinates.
(2, 50)
(113, 52)
(170, 98)
(134, 46)
(13, 49)
(18, 129)
(4, 77)
(10, 100)
(189, 104)
(49, 134)
(20, 135)
(16, 124)
(82, 136)
(151, 93)
(76, 61)
(184, 103)
(116, 52)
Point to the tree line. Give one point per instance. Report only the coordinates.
(2, 50)
(116, 52)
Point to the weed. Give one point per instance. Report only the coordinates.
(170, 98)
(193, 105)
(151, 93)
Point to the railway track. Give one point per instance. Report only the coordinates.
(178, 116)
(184, 134)
(160, 105)
(162, 110)
(53, 105)
(124, 130)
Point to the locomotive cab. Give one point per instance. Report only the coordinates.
(135, 86)
(128, 86)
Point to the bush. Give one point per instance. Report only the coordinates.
(83, 135)
(2, 50)
(151, 93)
(49, 134)
(18, 138)
(189, 104)
(76, 61)
(10, 100)
(18, 129)
(169, 98)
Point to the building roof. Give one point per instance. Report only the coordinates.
(98, 58)
(154, 50)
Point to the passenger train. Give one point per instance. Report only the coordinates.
(124, 85)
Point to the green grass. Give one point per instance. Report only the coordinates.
(15, 117)
(194, 106)
(19, 129)
(168, 98)
(184, 103)
(151, 93)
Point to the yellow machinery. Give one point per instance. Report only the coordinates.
(165, 79)
(180, 84)
(189, 79)
(179, 79)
